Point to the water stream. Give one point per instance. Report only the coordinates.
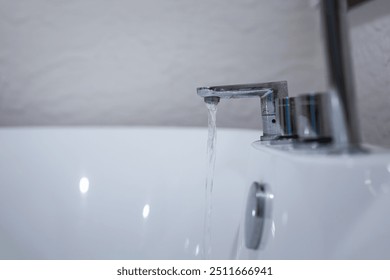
(211, 143)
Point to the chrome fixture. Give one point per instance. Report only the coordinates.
(269, 94)
(322, 117)
(312, 119)
(340, 75)
(286, 117)
(258, 215)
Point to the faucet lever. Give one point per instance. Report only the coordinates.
(269, 93)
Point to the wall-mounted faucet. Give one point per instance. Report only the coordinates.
(323, 117)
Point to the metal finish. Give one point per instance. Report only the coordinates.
(269, 93)
(340, 74)
(287, 117)
(312, 113)
(212, 100)
(256, 215)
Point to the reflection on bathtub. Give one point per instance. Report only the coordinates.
(84, 185)
(146, 211)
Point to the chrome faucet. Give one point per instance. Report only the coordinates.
(269, 94)
(323, 117)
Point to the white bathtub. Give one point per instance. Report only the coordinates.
(146, 196)
(139, 193)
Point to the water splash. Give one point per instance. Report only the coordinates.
(211, 156)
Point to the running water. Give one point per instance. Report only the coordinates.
(211, 143)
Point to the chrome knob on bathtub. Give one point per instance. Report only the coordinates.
(312, 117)
(287, 117)
(256, 215)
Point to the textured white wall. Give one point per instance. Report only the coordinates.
(370, 41)
(120, 62)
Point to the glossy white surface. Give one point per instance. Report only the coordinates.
(324, 206)
(138, 193)
(118, 193)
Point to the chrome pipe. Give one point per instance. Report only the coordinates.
(340, 74)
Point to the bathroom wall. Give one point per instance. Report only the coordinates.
(370, 40)
(119, 62)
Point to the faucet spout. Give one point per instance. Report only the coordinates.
(212, 100)
(269, 94)
(245, 90)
